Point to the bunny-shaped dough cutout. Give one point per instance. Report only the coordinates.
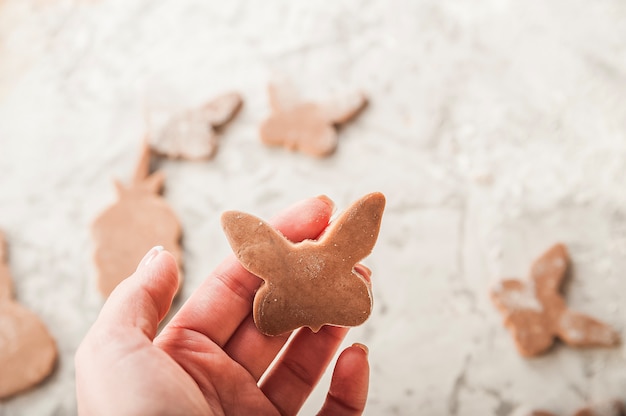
(139, 220)
(27, 351)
(305, 126)
(535, 312)
(192, 135)
(314, 282)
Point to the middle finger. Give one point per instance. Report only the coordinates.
(255, 351)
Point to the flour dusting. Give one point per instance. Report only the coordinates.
(519, 299)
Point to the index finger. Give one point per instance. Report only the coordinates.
(224, 300)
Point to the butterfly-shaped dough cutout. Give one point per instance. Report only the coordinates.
(27, 350)
(139, 220)
(313, 282)
(535, 312)
(192, 135)
(307, 127)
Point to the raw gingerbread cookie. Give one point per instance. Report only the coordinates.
(27, 351)
(609, 408)
(527, 412)
(305, 126)
(535, 312)
(314, 282)
(139, 220)
(193, 134)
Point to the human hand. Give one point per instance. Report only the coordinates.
(210, 359)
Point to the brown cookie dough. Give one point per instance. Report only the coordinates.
(535, 312)
(139, 220)
(608, 408)
(314, 282)
(27, 351)
(305, 126)
(525, 412)
(192, 135)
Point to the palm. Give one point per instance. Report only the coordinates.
(210, 358)
(220, 383)
(228, 388)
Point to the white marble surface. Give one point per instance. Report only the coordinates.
(495, 129)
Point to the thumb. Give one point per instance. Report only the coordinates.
(142, 300)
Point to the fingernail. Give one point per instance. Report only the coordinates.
(362, 346)
(327, 201)
(150, 255)
(364, 271)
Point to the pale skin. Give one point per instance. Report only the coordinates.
(210, 359)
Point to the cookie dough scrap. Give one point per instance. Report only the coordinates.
(28, 352)
(139, 220)
(314, 282)
(613, 407)
(527, 412)
(308, 127)
(535, 312)
(193, 135)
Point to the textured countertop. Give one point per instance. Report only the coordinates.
(495, 129)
